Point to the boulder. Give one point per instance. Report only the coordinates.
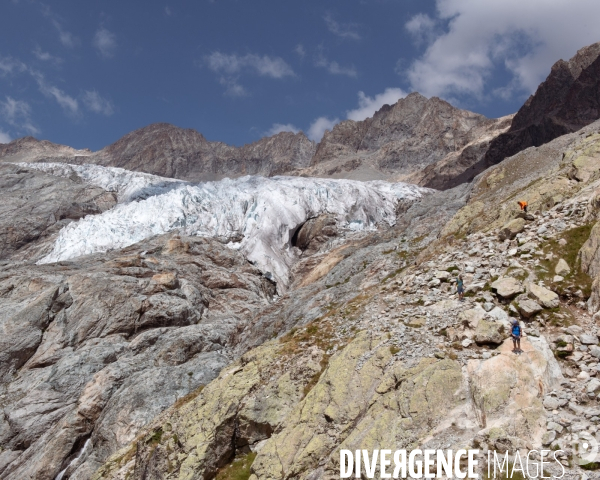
(594, 350)
(562, 268)
(436, 282)
(511, 229)
(471, 318)
(507, 287)
(557, 279)
(557, 427)
(546, 298)
(528, 308)
(474, 287)
(586, 339)
(593, 386)
(574, 330)
(548, 438)
(488, 332)
(551, 403)
(583, 376)
(443, 275)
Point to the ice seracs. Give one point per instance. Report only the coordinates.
(256, 215)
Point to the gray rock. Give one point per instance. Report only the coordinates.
(548, 437)
(546, 298)
(487, 306)
(557, 427)
(593, 386)
(551, 403)
(489, 333)
(588, 339)
(511, 229)
(562, 268)
(443, 275)
(507, 287)
(528, 308)
(594, 351)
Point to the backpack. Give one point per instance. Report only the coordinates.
(516, 330)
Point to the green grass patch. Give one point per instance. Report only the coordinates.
(239, 469)
(591, 466)
(575, 239)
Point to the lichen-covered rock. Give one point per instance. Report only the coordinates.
(562, 268)
(527, 307)
(507, 287)
(511, 229)
(546, 298)
(589, 254)
(488, 333)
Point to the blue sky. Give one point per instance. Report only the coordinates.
(86, 73)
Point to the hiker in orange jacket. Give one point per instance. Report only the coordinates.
(523, 205)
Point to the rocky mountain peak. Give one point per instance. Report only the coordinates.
(31, 148)
(565, 102)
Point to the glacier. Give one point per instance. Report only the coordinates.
(256, 215)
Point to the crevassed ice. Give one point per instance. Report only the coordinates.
(264, 212)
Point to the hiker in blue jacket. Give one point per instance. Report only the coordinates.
(460, 288)
(516, 334)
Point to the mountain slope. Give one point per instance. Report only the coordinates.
(566, 101)
(399, 141)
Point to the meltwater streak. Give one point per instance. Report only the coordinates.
(264, 212)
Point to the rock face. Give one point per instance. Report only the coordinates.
(90, 341)
(34, 207)
(565, 102)
(424, 141)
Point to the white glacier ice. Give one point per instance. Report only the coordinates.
(263, 212)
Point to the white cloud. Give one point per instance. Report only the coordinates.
(367, 106)
(94, 102)
(300, 50)
(45, 56)
(342, 30)
(421, 27)
(280, 127)
(274, 67)
(17, 113)
(67, 103)
(4, 137)
(234, 89)
(525, 38)
(8, 65)
(66, 38)
(334, 67)
(168, 11)
(318, 127)
(105, 42)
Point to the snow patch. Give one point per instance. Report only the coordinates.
(263, 212)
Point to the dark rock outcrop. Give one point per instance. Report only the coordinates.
(566, 101)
